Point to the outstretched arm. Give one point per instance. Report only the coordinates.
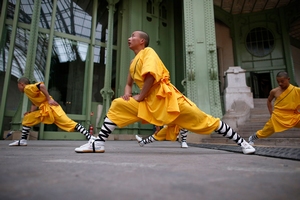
(49, 99)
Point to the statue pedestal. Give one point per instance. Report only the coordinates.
(237, 90)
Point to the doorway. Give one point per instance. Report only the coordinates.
(261, 84)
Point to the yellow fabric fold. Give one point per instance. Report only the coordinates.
(285, 114)
(45, 114)
(161, 105)
(168, 132)
(39, 99)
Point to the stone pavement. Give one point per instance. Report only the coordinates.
(285, 152)
(51, 170)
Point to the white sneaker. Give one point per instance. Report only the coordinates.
(184, 145)
(139, 139)
(93, 146)
(251, 141)
(247, 148)
(21, 142)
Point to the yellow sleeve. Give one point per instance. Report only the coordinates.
(152, 64)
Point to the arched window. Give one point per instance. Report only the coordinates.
(260, 42)
(150, 9)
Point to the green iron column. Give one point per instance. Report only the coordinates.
(235, 35)
(33, 40)
(286, 46)
(212, 63)
(2, 22)
(124, 57)
(201, 57)
(107, 92)
(49, 56)
(30, 57)
(9, 59)
(90, 65)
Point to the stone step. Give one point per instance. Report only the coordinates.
(262, 110)
(263, 119)
(260, 100)
(257, 109)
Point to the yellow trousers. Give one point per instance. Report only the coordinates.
(123, 113)
(268, 130)
(62, 120)
(167, 133)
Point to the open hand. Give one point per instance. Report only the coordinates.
(52, 102)
(126, 97)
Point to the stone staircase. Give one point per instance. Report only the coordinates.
(259, 115)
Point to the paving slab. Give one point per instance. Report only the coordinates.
(51, 170)
(285, 152)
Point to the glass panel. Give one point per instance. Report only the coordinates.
(102, 23)
(68, 59)
(99, 72)
(67, 73)
(13, 95)
(71, 18)
(20, 51)
(101, 27)
(46, 13)
(19, 62)
(65, 51)
(11, 9)
(149, 6)
(100, 52)
(26, 10)
(100, 55)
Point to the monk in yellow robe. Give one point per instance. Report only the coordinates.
(286, 113)
(159, 101)
(166, 132)
(49, 111)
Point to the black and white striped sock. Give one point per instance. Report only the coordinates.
(225, 130)
(148, 140)
(25, 132)
(253, 137)
(82, 130)
(107, 128)
(183, 134)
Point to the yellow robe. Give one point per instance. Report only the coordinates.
(46, 113)
(161, 106)
(164, 104)
(286, 113)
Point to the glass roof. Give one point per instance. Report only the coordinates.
(72, 17)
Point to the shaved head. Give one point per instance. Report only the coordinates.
(24, 80)
(144, 36)
(282, 74)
